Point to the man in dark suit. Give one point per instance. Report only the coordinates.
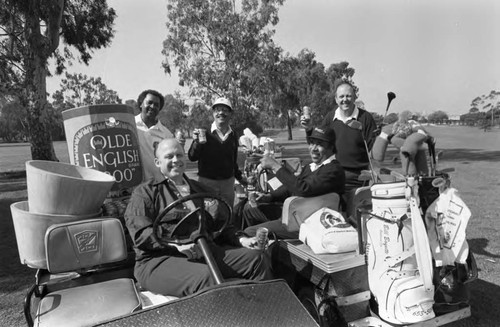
(323, 175)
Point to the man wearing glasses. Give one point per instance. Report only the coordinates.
(217, 156)
(354, 131)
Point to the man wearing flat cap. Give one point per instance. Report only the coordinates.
(323, 175)
(217, 157)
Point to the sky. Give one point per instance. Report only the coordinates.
(433, 54)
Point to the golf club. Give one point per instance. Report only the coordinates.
(390, 96)
(357, 125)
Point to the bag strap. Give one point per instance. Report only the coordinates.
(421, 244)
(392, 261)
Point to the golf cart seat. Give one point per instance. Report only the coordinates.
(83, 247)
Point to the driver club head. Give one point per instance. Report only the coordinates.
(391, 96)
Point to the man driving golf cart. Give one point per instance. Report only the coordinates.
(173, 268)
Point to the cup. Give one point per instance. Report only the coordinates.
(269, 147)
(306, 113)
(262, 238)
(202, 135)
(179, 135)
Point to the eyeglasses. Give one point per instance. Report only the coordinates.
(222, 109)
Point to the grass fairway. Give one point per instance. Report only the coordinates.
(474, 154)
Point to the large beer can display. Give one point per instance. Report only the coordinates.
(104, 137)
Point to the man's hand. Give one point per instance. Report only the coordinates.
(196, 135)
(268, 162)
(191, 251)
(305, 122)
(264, 198)
(248, 242)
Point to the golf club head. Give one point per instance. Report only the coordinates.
(391, 96)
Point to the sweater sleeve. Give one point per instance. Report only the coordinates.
(237, 172)
(194, 151)
(328, 178)
(369, 129)
(139, 221)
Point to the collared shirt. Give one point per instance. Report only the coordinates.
(340, 116)
(147, 136)
(223, 137)
(313, 166)
(181, 190)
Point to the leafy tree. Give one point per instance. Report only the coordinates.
(438, 117)
(173, 114)
(13, 122)
(199, 116)
(78, 90)
(490, 103)
(301, 81)
(221, 50)
(391, 118)
(31, 32)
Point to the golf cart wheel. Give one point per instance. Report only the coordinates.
(307, 298)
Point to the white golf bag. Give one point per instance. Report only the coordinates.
(399, 258)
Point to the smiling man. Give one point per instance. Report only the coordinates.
(353, 127)
(150, 129)
(323, 175)
(217, 157)
(179, 270)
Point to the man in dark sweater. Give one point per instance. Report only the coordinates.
(217, 156)
(354, 131)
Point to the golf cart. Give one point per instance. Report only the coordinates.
(88, 267)
(84, 265)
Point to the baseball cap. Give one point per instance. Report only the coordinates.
(224, 102)
(323, 134)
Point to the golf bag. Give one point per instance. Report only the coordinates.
(399, 258)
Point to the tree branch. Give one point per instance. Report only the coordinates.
(54, 24)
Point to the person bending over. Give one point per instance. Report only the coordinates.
(180, 270)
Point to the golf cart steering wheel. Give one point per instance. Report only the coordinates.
(195, 227)
(195, 224)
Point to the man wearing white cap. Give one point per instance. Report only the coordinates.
(217, 157)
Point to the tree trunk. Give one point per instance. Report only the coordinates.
(35, 96)
(289, 124)
(39, 132)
